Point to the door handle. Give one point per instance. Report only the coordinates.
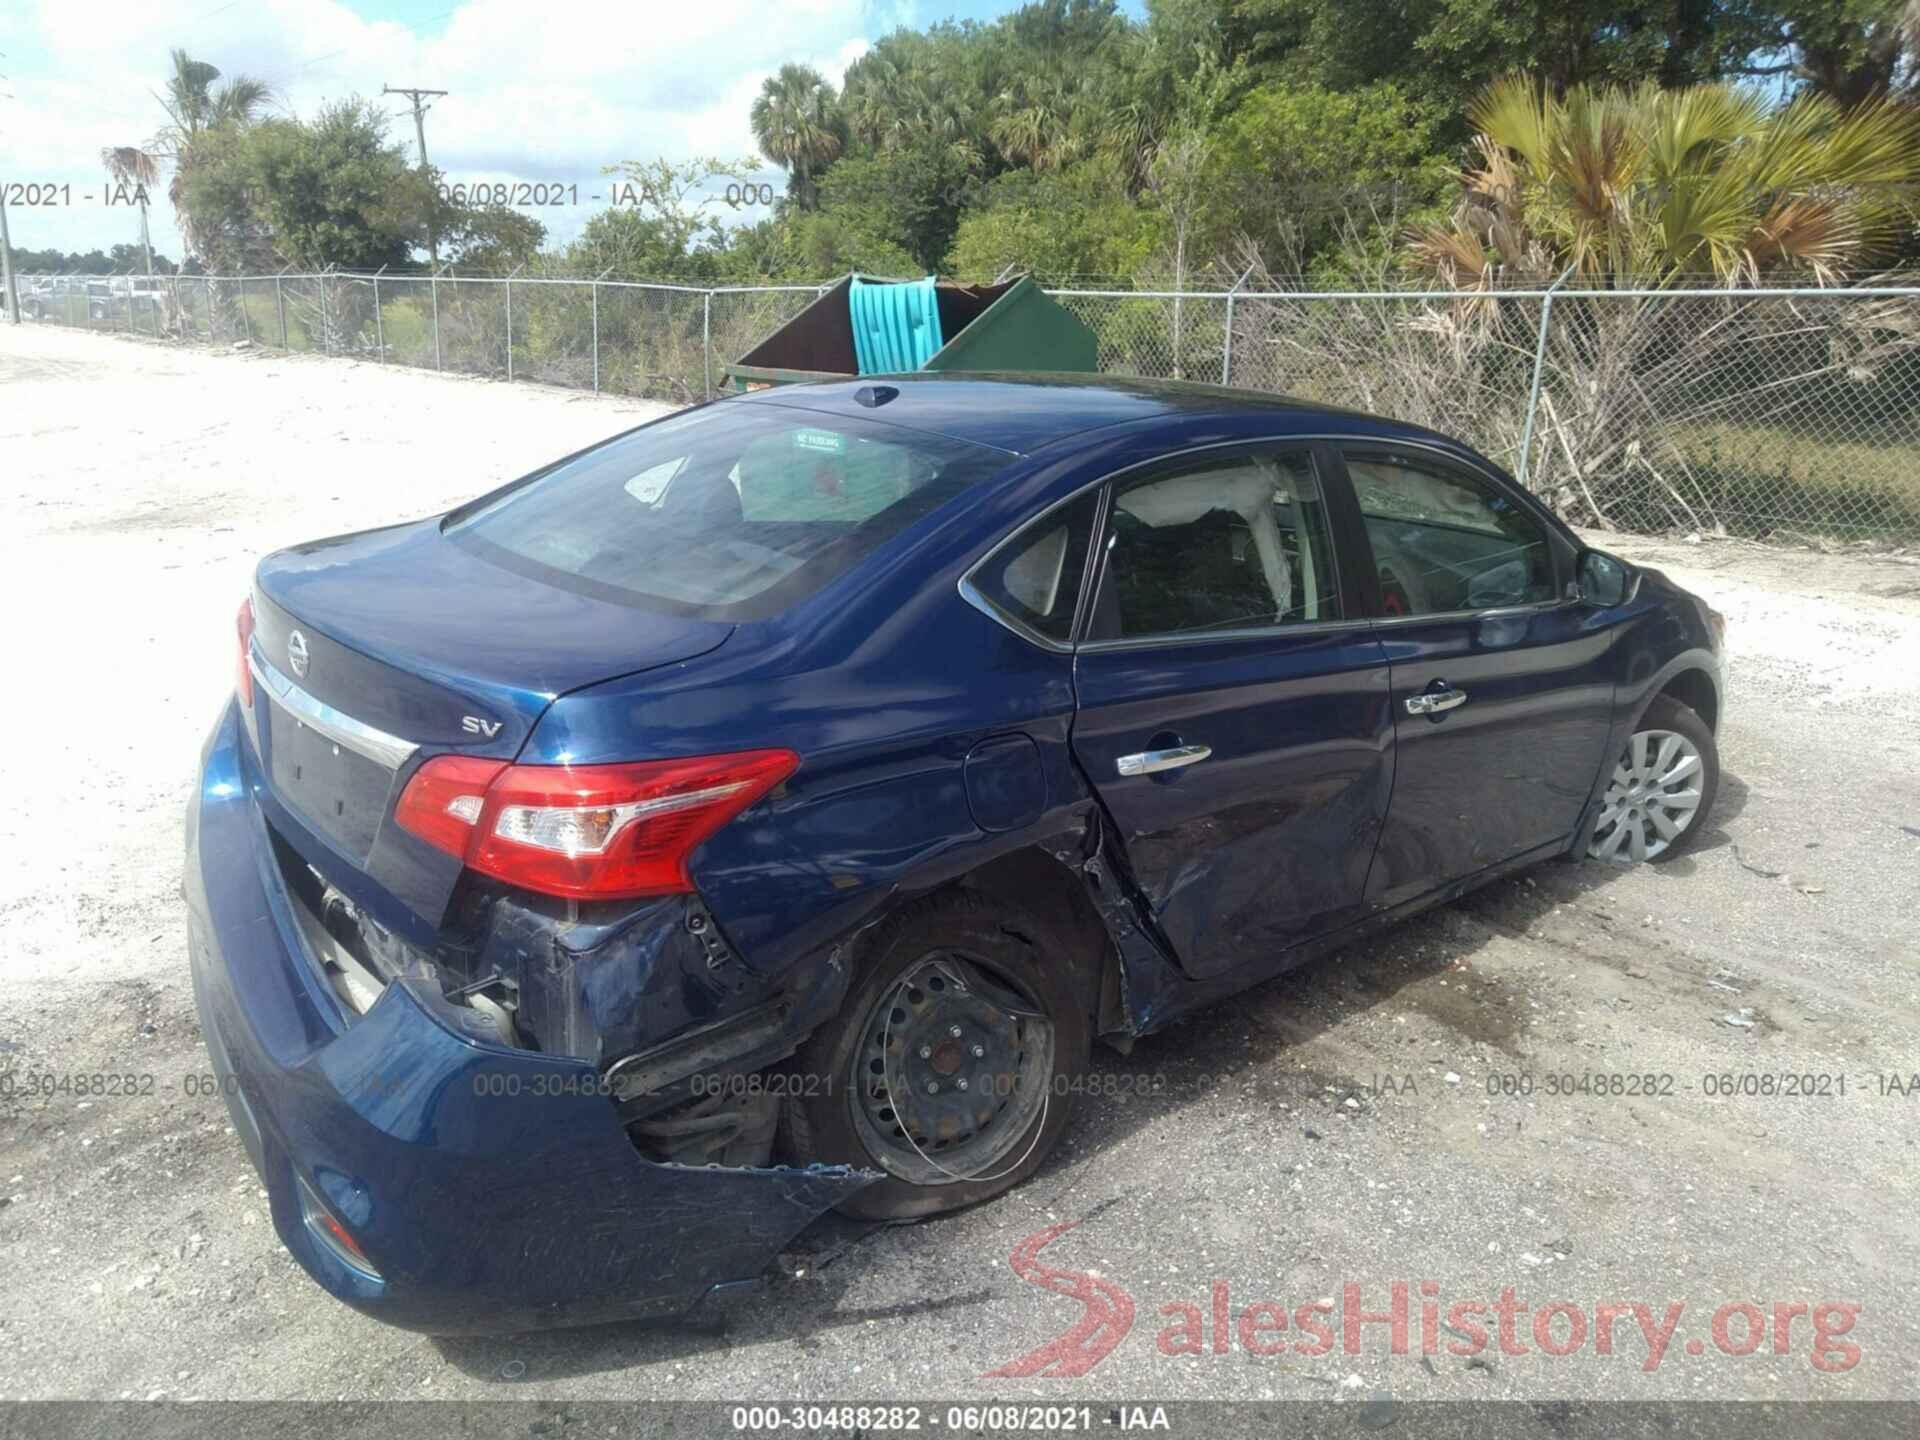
(1150, 762)
(1435, 701)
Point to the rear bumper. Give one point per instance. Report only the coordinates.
(493, 1189)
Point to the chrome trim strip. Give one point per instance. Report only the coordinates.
(339, 727)
(1276, 631)
(1503, 612)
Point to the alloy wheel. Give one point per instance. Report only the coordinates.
(1651, 799)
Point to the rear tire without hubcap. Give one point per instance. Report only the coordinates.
(949, 1067)
(1662, 786)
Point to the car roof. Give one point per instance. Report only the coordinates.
(1023, 413)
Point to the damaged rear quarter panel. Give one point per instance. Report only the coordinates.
(494, 1189)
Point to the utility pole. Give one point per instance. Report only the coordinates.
(10, 296)
(417, 97)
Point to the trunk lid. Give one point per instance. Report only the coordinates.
(374, 650)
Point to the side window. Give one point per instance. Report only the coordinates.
(1230, 545)
(1445, 540)
(1036, 577)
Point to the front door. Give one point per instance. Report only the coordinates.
(1232, 705)
(1502, 690)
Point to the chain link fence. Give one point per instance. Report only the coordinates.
(1785, 414)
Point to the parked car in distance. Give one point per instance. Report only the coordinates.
(765, 810)
(45, 297)
(100, 301)
(130, 301)
(144, 297)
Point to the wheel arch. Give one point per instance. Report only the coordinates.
(1694, 687)
(1036, 882)
(1693, 678)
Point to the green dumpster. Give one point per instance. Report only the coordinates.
(1012, 325)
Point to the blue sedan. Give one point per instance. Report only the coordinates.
(764, 811)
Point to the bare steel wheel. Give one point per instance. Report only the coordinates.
(951, 1073)
(952, 1065)
(1661, 788)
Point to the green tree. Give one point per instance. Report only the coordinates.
(626, 244)
(127, 257)
(1442, 52)
(797, 123)
(829, 241)
(660, 224)
(912, 87)
(491, 237)
(1043, 85)
(1585, 42)
(1076, 223)
(876, 210)
(69, 262)
(338, 191)
(1850, 50)
(215, 197)
(1297, 166)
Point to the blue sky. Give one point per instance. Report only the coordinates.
(539, 93)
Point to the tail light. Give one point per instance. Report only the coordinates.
(589, 832)
(243, 623)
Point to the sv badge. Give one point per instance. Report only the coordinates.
(474, 725)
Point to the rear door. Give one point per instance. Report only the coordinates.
(1232, 703)
(1502, 690)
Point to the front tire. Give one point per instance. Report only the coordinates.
(952, 1064)
(1661, 789)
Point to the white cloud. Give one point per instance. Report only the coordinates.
(537, 92)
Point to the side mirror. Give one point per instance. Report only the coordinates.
(1603, 580)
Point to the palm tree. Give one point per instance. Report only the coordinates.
(1033, 123)
(195, 109)
(1649, 186)
(798, 124)
(130, 165)
(194, 106)
(876, 100)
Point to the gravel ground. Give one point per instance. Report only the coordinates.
(1333, 1127)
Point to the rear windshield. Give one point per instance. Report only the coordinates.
(730, 512)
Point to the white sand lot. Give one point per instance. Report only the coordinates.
(139, 484)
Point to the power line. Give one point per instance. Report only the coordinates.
(415, 27)
(217, 10)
